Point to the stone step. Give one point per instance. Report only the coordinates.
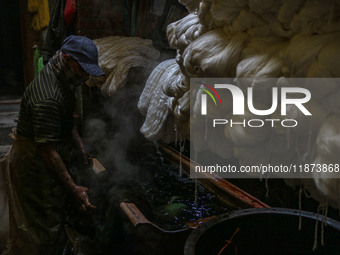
(3, 150)
(7, 119)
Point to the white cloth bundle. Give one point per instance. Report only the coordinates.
(287, 11)
(214, 54)
(116, 55)
(303, 50)
(313, 16)
(158, 124)
(151, 84)
(308, 124)
(204, 14)
(330, 55)
(225, 11)
(264, 6)
(173, 84)
(181, 33)
(180, 108)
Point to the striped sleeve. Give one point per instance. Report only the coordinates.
(47, 117)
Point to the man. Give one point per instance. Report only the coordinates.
(39, 180)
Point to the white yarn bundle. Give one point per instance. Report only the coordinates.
(117, 55)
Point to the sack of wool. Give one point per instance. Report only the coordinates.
(250, 19)
(158, 124)
(112, 48)
(120, 73)
(188, 33)
(264, 6)
(191, 5)
(179, 61)
(170, 33)
(151, 84)
(106, 85)
(191, 34)
(243, 134)
(313, 15)
(245, 21)
(262, 31)
(307, 123)
(287, 11)
(327, 182)
(180, 108)
(258, 68)
(330, 55)
(225, 10)
(261, 66)
(204, 13)
(331, 27)
(118, 54)
(303, 50)
(214, 54)
(117, 47)
(267, 46)
(103, 44)
(172, 84)
(210, 45)
(177, 85)
(278, 30)
(180, 30)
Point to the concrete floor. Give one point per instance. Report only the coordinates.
(8, 113)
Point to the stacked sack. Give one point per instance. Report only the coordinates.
(117, 55)
(254, 39)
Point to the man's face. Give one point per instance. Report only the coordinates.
(76, 67)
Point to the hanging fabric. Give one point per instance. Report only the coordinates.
(33, 5)
(70, 12)
(42, 17)
(57, 31)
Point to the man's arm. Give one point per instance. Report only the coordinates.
(58, 169)
(80, 145)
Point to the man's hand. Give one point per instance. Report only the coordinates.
(56, 165)
(79, 144)
(81, 196)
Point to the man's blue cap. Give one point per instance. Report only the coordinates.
(85, 52)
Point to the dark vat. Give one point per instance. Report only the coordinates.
(265, 231)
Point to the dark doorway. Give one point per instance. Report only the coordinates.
(11, 70)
